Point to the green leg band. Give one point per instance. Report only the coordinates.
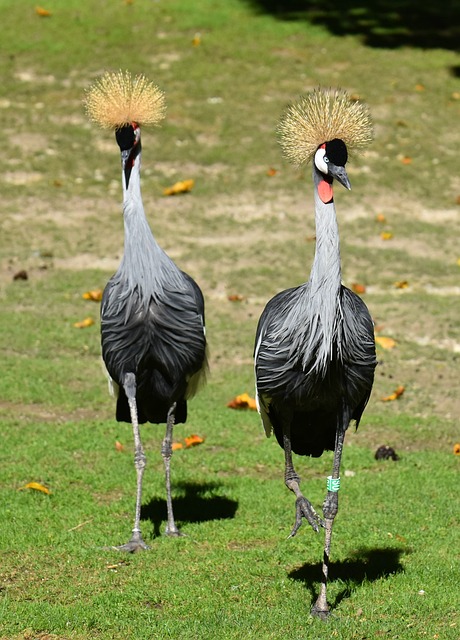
(333, 484)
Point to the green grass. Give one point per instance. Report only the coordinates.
(235, 575)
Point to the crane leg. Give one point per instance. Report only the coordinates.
(330, 509)
(136, 542)
(303, 507)
(166, 452)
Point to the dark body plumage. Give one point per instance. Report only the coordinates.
(152, 331)
(315, 400)
(161, 340)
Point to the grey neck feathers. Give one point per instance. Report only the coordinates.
(145, 265)
(322, 339)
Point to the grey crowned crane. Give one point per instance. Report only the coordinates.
(152, 313)
(315, 349)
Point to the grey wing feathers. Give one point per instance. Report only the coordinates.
(272, 313)
(359, 351)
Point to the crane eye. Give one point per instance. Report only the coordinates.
(321, 161)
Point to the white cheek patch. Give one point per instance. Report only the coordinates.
(319, 161)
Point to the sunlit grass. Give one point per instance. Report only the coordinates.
(242, 230)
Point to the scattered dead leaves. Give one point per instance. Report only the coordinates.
(190, 441)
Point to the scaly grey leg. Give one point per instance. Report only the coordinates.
(136, 542)
(166, 452)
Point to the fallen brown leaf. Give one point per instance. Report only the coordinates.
(21, 275)
(87, 322)
(36, 486)
(406, 160)
(271, 172)
(457, 449)
(235, 297)
(397, 393)
(243, 401)
(193, 440)
(358, 288)
(179, 187)
(401, 284)
(386, 235)
(43, 13)
(95, 295)
(385, 342)
(119, 446)
(177, 445)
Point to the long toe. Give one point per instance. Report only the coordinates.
(133, 546)
(136, 543)
(320, 612)
(303, 509)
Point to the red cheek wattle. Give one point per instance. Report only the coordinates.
(325, 191)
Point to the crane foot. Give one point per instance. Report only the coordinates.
(303, 509)
(135, 544)
(318, 612)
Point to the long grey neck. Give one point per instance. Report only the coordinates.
(324, 309)
(325, 276)
(144, 264)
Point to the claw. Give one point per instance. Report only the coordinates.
(135, 544)
(303, 509)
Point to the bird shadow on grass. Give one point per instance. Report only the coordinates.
(197, 503)
(365, 564)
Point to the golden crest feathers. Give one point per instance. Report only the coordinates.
(118, 99)
(319, 117)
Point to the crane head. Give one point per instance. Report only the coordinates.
(129, 140)
(331, 158)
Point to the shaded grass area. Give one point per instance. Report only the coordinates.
(379, 24)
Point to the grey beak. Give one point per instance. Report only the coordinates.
(339, 174)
